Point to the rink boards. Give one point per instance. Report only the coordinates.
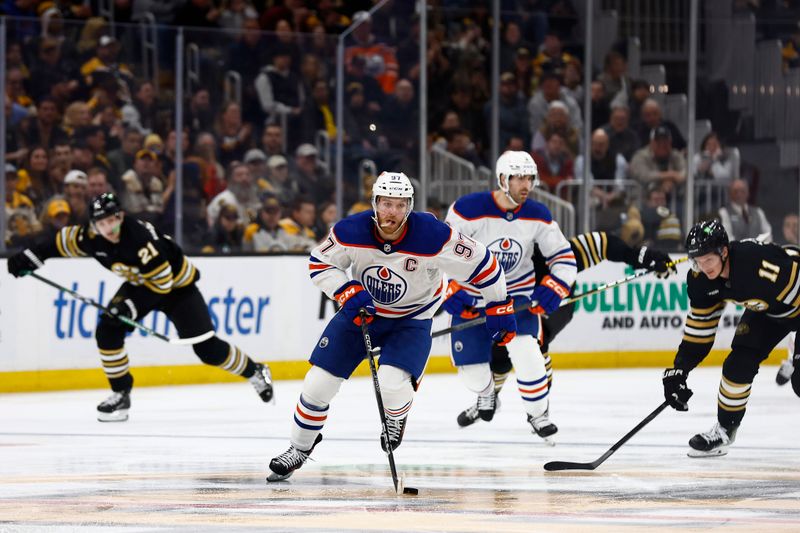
(269, 307)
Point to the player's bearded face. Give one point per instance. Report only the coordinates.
(109, 227)
(519, 188)
(391, 213)
(710, 264)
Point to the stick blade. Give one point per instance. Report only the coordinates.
(411, 490)
(555, 466)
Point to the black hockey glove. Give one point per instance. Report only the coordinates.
(657, 261)
(676, 393)
(23, 263)
(122, 308)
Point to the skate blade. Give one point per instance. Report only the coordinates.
(549, 441)
(699, 454)
(120, 415)
(273, 477)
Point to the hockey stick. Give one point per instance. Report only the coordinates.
(555, 466)
(125, 320)
(522, 306)
(398, 481)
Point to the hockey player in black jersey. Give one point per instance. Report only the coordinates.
(590, 249)
(158, 277)
(761, 277)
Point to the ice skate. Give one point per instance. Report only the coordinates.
(396, 429)
(543, 427)
(712, 443)
(284, 465)
(115, 407)
(262, 382)
(473, 413)
(785, 372)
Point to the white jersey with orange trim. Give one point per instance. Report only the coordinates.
(510, 235)
(405, 277)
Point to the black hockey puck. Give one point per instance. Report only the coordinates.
(411, 490)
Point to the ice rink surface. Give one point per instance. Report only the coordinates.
(194, 458)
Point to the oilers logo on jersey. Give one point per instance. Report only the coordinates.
(507, 251)
(385, 285)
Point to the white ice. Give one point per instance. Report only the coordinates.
(194, 458)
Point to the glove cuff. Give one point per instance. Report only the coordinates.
(555, 285)
(33, 258)
(504, 308)
(347, 291)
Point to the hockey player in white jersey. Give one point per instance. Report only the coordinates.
(397, 259)
(510, 224)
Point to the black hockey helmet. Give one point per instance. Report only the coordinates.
(104, 205)
(706, 237)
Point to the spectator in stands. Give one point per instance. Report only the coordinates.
(309, 175)
(76, 193)
(82, 155)
(551, 57)
(280, 92)
(573, 82)
(652, 118)
(557, 121)
(105, 66)
(327, 215)
(513, 111)
(659, 162)
(640, 92)
(97, 182)
(715, 161)
(106, 117)
(265, 234)
(146, 104)
(154, 143)
(285, 189)
(622, 139)
(373, 93)
(142, 193)
(15, 89)
(400, 119)
(246, 56)
(381, 61)
(77, 115)
(601, 111)
(234, 135)
(458, 142)
(242, 194)
(227, 233)
(554, 161)
(170, 150)
(470, 116)
(512, 41)
(33, 180)
(791, 227)
(256, 161)
(272, 140)
(43, 130)
(199, 114)
(51, 70)
(607, 169)
(523, 70)
(55, 216)
(299, 225)
(311, 70)
(743, 221)
(122, 158)
(615, 80)
(662, 228)
(20, 206)
(361, 137)
(236, 14)
(95, 138)
(549, 91)
(213, 173)
(318, 115)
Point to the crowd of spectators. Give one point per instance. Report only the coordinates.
(82, 117)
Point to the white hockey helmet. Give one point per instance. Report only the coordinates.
(393, 185)
(512, 163)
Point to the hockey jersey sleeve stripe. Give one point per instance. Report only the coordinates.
(593, 250)
(578, 247)
(702, 324)
(792, 298)
(699, 340)
(705, 312)
(700, 332)
(487, 256)
(523, 277)
(789, 286)
(158, 271)
(567, 250)
(72, 242)
(492, 281)
(489, 270)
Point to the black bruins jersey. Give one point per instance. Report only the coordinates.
(144, 257)
(763, 278)
(591, 249)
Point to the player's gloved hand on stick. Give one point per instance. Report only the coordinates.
(548, 295)
(23, 263)
(676, 393)
(459, 302)
(122, 307)
(657, 261)
(352, 297)
(500, 321)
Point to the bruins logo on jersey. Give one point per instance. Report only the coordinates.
(130, 273)
(753, 304)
